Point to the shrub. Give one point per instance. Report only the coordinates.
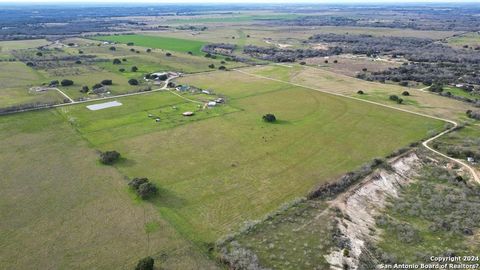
(436, 87)
(132, 49)
(84, 89)
(303, 63)
(145, 264)
(143, 187)
(112, 48)
(190, 53)
(136, 182)
(326, 61)
(78, 62)
(134, 69)
(364, 69)
(39, 54)
(149, 50)
(121, 70)
(147, 190)
(54, 83)
(107, 82)
(269, 118)
(116, 61)
(30, 64)
(405, 93)
(211, 66)
(335, 61)
(222, 68)
(109, 157)
(130, 44)
(360, 92)
(66, 82)
(97, 86)
(168, 54)
(133, 82)
(394, 98)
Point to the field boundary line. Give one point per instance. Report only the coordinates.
(424, 143)
(65, 95)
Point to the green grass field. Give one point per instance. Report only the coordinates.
(165, 43)
(328, 81)
(15, 90)
(294, 239)
(61, 209)
(8, 46)
(227, 166)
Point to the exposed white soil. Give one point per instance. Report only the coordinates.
(364, 201)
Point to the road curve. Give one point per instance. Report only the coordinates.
(425, 143)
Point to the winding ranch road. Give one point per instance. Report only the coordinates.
(165, 87)
(425, 143)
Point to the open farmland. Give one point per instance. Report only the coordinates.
(238, 136)
(58, 202)
(165, 43)
(16, 91)
(324, 80)
(219, 171)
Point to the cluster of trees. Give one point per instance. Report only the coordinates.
(28, 106)
(421, 18)
(331, 189)
(109, 157)
(430, 61)
(143, 187)
(219, 48)
(287, 55)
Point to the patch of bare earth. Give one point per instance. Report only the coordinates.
(363, 202)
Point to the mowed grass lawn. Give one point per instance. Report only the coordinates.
(61, 209)
(166, 43)
(218, 172)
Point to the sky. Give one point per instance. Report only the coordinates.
(235, 1)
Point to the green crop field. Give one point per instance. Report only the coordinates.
(166, 43)
(225, 166)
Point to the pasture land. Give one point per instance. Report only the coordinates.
(287, 37)
(471, 39)
(165, 43)
(233, 18)
(324, 80)
(8, 46)
(295, 239)
(132, 118)
(219, 171)
(61, 209)
(351, 65)
(16, 79)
